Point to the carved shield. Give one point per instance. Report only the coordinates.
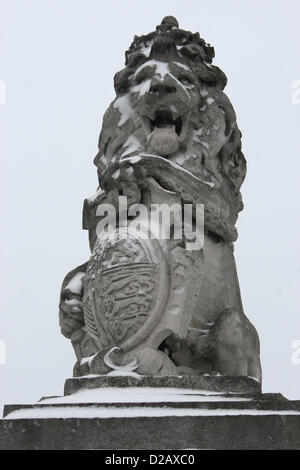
(125, 288)
(136, 292)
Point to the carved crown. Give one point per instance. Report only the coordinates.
(170, 43)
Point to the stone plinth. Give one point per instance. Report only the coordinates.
(154, 413)
(212, 383)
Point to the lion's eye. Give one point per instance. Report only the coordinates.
(186, 81)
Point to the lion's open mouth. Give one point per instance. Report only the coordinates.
(164, 119)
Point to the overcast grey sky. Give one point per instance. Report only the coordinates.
(58, 59)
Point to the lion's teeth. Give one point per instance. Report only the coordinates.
(184, 128)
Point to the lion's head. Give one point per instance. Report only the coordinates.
(172, 121)
(170, 103)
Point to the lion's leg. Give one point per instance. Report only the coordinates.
(231, 347)
(234, 345)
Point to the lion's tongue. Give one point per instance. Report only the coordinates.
(164, 140)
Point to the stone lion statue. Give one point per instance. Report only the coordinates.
(156, 307)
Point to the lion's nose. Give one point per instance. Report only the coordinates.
(162, 89)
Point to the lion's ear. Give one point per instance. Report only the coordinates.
(193, 51)
(212, 75)
(135, 59)
(122, 80)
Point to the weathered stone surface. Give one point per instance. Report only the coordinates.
(265, 402)
(138, 413)
(266, 422)
(296, 404)
(170, 138)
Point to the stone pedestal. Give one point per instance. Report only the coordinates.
(121, 412)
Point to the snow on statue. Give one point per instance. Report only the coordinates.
(154, 306)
